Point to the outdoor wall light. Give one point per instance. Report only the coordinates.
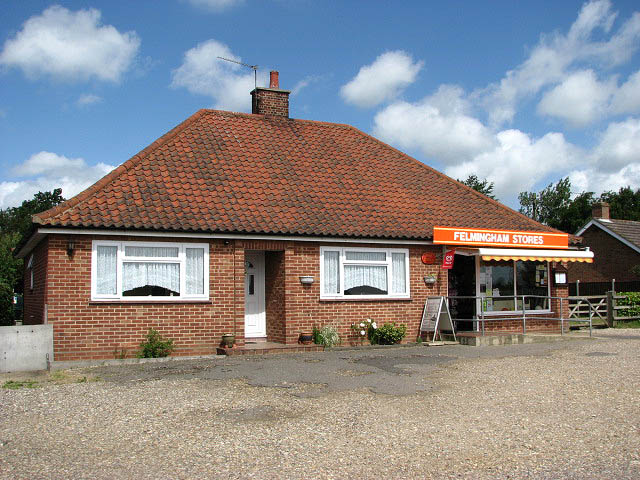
(71, 245)
(307, 280)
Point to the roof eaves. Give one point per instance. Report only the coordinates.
(618, 236)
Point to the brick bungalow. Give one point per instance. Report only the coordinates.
(616, 246)
(265, 226)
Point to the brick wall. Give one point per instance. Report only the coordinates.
(274, 296)
(304, 309)
(35, 300)
(90, 330)
(85, 329)
(270, 102)
(612, 259)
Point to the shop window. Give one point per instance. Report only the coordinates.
(532, 278)
(498, 279)
(364, 272)
(144, 271)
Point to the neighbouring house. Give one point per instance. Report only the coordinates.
(265, 226)
(616, 246)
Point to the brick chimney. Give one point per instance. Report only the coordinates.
(600, 210)
(272, 100)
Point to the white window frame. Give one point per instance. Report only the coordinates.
(30, 268)
(515, 289)
(388, 263)
(120, 259)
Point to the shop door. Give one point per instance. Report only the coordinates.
(462, 282)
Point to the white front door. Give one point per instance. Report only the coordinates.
(255, 324)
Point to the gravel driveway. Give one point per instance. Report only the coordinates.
(561, 410)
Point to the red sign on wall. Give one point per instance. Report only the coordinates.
(447, 261)
(428, 258)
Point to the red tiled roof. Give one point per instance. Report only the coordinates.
(240, 173)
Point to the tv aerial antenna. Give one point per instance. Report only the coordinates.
(252, 67)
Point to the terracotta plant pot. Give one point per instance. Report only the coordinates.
(228, 339)
(306, 338)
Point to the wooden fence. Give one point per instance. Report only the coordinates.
(599, 307)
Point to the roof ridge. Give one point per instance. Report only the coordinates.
(257, 116)
(116, 172)
(446, 177)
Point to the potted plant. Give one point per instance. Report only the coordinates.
(228, 339)
(430, 279)
(306, 337)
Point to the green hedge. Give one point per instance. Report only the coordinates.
(633, 300)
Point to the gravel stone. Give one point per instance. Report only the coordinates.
(539, 411)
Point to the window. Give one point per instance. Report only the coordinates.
(508, 278)
(364, 272)
(149, 271)
(30, 268)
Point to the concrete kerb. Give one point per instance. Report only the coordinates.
(489, 340)
(63, 365)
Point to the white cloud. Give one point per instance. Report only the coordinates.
(45, 171)
(551, 60)
(383, 80)
(439, 126)
(619, 146)
(87, 99)
(71, 46)
(215, 5)
(228, 84)
(580, 99)
(594, 180)
(627, 98)
(304, 83)
(519, 162)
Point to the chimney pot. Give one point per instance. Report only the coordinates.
(273, 79)
(600, 210)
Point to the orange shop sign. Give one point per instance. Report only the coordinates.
(499, 238)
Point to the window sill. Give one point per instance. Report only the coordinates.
(370, 299)
(511, 313)
(116, 301)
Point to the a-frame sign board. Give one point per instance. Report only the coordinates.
(436, 317)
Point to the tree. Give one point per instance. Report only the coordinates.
(15, 224)
(483, 186)
(10, 276)
(624, 204)
(18, 219)
(553, 206)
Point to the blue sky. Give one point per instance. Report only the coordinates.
(520, 93)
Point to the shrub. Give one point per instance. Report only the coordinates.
(155, 346)
(388, 334)
(364, 329)
(632, 299)
(327, 336)
(6, 305)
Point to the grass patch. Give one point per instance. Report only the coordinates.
(17, 384)
(629, 324)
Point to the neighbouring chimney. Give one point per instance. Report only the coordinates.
(271, 101)
(600, 210)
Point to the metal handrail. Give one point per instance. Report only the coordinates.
(522, 312)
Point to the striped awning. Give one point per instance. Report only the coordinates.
(532, 255)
